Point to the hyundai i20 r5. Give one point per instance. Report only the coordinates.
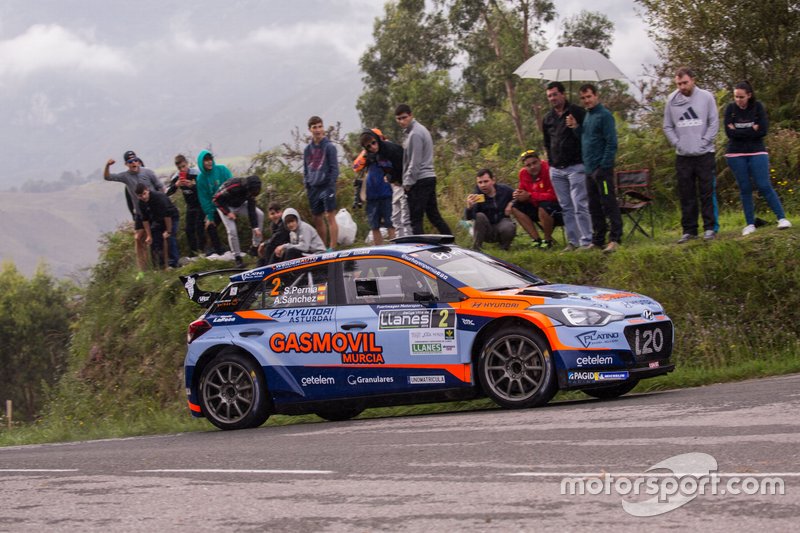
(418, 320)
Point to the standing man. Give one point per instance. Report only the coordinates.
(563, 146)
(160, 218)
(320, 172)
(419, 178)
(691, 122)
(185, 180)
(211, 178)
(235, 197)
(132, 177)
(599, 148)
(490, 207)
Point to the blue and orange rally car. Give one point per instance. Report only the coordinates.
(418, 320)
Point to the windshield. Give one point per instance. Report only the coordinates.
(477, 270)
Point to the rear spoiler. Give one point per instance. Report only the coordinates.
(198, 295)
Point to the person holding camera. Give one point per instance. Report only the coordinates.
(490, 207)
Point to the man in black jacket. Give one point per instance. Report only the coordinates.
(490, 207)
(563, 147)
(159, 217)
(234, 197)
(185, 180)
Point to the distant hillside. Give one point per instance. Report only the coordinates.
(61, 228)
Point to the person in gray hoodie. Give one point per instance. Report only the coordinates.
(419, 178)
(303, 238)
(691, 122)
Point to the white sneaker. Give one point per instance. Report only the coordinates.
(784, 223)
(748, 229)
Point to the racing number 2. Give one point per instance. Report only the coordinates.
(276, 284)
(444, 313)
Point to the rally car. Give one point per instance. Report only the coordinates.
(417, 320)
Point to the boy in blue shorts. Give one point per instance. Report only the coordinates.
(320, 172)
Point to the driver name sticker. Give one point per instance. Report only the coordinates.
(313, 295)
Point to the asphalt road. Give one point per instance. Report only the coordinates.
(477, 471)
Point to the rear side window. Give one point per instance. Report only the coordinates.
(298, 288)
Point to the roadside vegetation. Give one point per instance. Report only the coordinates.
(105, 359)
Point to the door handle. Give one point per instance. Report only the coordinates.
(354, 325)
(251, 333)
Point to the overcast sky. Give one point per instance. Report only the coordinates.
(84, 80)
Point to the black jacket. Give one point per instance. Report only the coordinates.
(391, 152)
(563, 144)
(493, 208)
(233, 193)
(743, 139)
(189, 193)
(157, 208)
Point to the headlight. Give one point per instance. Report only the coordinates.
(579, 316)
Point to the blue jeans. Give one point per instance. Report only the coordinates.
(749, 169)
(570, 186)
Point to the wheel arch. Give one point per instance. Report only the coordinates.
(211, 353)
(508, 321)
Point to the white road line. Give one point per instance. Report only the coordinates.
(38, 469)
(648, 474)
(232, 471)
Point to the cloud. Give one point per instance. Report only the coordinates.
(185, 41)
(50, 46)
(347, 40)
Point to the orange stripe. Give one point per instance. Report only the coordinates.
(193, 407)
(460, 371)
(253, 315)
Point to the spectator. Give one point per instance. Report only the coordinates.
(278, 235)
(234, 197)
(490, 207)
(378, 190)
(303, 238)
(599, 148)
(690, 124)
(210, 179)
(185, 179)
(132, 177)
(419, 178)
(535, 200)
(746, 126)
(159, 217)
(320, 172)
(563, 147)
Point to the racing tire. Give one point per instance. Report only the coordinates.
(613, 391)
(233, 392)
(516, 370)
(339, 414)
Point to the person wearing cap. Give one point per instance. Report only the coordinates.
(535, 200)
(132, 177)
(210, 179)
(237, 196)
(159, 217)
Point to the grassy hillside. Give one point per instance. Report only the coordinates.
(734, 301)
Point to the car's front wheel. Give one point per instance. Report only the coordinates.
(614, 391)
(516, 369)
(233, 393)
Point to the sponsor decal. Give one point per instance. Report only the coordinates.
(615, 296)
(425, 380)
(494, 305)
(317, 380)
(247, 276)
(432, 342)
(204, 298)
(189, 286)
(596, 376)
(654, 364)
(597, 337)
(435, 271)
(367, 380)
(594, 360)
(355, 348)
(416, 319)
(467, 321)
(221, 319)
(234, 291)
(308, 314)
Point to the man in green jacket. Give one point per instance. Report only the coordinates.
(599, 148)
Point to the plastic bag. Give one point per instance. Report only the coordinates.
(347, 227)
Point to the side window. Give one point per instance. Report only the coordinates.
(368, 281)
(306, 287)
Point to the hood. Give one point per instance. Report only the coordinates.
(625, 302)
(200, 158)
(678, 99)
(290, 211)
(361, 161)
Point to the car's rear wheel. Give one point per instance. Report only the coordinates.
(516, 369)
(233, 393)
(338, 414)
(613, 391)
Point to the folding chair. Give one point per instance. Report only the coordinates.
(635, 198)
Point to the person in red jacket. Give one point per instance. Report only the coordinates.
(535, 200)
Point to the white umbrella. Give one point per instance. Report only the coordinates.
(569, 63)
